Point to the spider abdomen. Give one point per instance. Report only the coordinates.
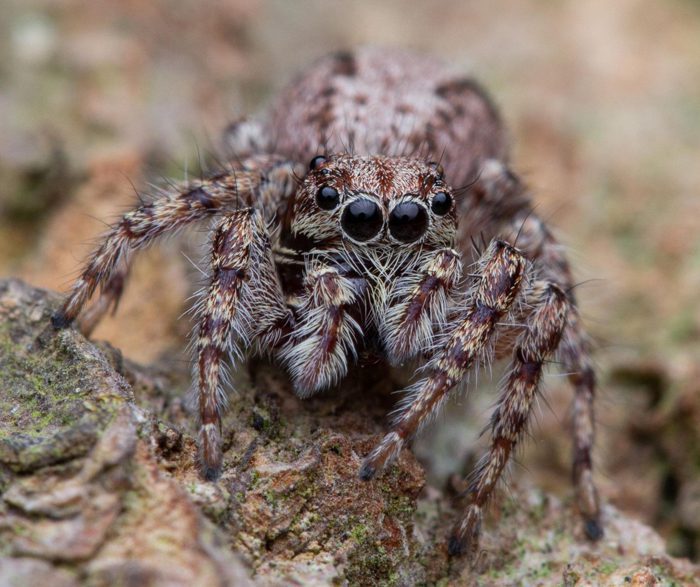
(388, 102)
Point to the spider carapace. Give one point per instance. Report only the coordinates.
(349, 213)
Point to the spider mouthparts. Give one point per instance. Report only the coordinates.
(593, 529)
(60, 321)
(367, 472)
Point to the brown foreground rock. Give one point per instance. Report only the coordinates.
(99, 485)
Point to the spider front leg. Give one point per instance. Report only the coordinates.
(502, 270)
(539, 340)
(243, 302)
(263, 180)
(317, 354)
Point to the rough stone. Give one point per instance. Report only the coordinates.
(99, 485)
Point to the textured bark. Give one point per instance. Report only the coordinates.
(99, 485)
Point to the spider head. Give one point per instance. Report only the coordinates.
(375, 201)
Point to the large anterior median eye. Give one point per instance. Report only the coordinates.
(362, 220)
(408, 222)
(327, 197)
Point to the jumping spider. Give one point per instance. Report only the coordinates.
(364, 247)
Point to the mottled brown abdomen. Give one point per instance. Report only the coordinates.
(392, 102)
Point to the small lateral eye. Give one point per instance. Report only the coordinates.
(442, 202)
(317, 161)
(437, 168)
(327, 197)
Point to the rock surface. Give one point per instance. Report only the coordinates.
(99, 485)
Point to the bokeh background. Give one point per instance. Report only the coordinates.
(603, 102)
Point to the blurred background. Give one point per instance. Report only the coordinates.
(603, 102)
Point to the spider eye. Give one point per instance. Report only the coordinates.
(442, 202)
(317, 161)
(408, 222)
(437, 168)
(362, 220)
(327, 197)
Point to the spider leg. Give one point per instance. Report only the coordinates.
(110, 295)
(499, 204)
(264, 181)
(318, 352)
(242, 302)
(540, 338)
(496, 196)
(574, 353)
(502, 270)
(417, 305)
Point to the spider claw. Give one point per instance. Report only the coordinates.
(367, 471)
(211, 473)
(593, 529)
(210, 455)
(456, 546)
(60, 321)
(465, 534)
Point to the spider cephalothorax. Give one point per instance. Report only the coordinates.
(365, 245)
(369, 202)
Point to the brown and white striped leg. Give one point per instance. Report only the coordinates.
(543, 330)
(141, 226)
(502, 268)
(417, 306)
(168, 212)
(238, 290)
(576, 359)
(323, 343)
(574, 353)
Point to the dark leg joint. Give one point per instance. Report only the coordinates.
(201, 197)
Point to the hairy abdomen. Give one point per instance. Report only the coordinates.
(392, 102)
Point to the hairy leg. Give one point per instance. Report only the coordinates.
(543, 330)
(576, 358)
(262, 181)
(109, 298)
(318, 352)
(417, 305)
(574, 353)
(496, 196)
(501, 272)
(499, 205)
(239, 294)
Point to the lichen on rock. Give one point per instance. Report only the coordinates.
(99, 484)
(83, 497)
